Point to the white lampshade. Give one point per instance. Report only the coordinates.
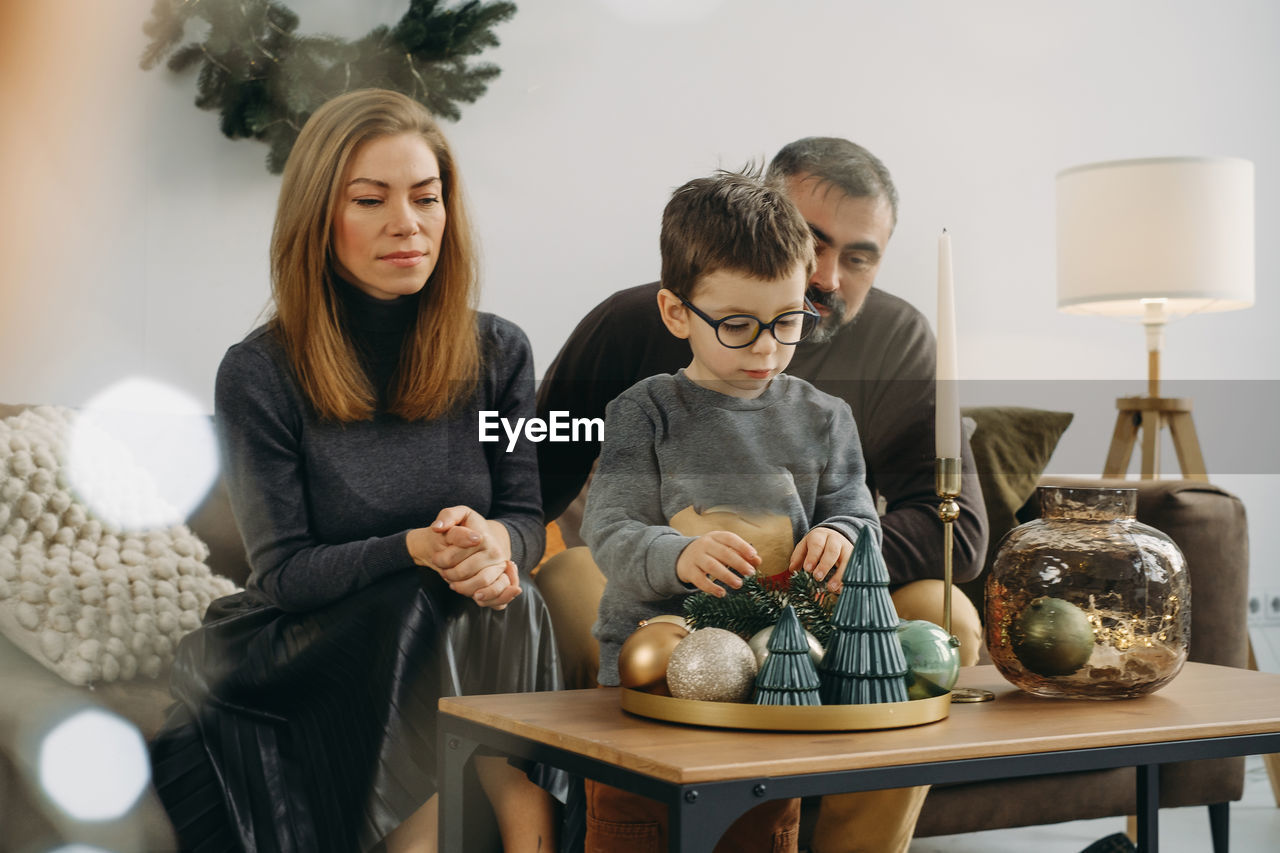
(1178, 229)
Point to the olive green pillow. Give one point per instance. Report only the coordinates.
(1011, 447)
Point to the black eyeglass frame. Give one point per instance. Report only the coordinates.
(809, 311)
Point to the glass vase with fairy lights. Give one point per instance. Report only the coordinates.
(1087, 602)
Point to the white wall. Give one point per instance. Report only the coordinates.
(134, 235)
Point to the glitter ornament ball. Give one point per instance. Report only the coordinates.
(642, 661)
(712, 665)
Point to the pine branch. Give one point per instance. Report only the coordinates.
(165, 27)
(743, 611)
(813, 604)
(184, 57)
(265, 81)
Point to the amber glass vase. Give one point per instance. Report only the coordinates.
(1087, 602)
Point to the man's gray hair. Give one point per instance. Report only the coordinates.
(845, 165)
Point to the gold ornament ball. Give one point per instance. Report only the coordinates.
(712, 665)
(642, 660)
(668, 617)
(1052, 637)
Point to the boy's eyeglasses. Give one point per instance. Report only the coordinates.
(741, 330)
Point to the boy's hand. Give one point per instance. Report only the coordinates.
(717, 556)
(821, 550)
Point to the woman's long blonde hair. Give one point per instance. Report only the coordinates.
(441, 360)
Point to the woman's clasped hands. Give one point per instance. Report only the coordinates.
(472, 554)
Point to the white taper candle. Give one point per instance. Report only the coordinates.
(947, 406)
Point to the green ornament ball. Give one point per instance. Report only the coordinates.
(1051, 637)
(933, 663)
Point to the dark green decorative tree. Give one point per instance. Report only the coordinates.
(754, 606)
(265, 80)
(788, 676)
(864, 662)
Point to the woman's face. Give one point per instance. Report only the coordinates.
(390, 217)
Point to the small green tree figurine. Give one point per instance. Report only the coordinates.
(788, 676)
(864, 661)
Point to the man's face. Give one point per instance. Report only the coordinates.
(850, 236)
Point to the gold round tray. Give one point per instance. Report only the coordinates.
(803, 718)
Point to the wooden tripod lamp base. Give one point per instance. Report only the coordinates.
(1151, 415)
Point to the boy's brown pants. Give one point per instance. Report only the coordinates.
(620, 822)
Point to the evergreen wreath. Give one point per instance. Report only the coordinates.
(266, 81)
(755, 606)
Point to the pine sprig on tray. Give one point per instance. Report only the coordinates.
(753, 607)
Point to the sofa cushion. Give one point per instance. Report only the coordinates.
(1011, 447)
(89, 600)
(212, 522)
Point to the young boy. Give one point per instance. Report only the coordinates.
(730, 437)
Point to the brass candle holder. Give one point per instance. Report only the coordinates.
(948, 488)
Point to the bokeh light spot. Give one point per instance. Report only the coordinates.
(142, 454)
(94, 765)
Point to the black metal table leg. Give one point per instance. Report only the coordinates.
(1220, 826)
(699, 815)
(453, 752)
(686, 831)
(1148, 807)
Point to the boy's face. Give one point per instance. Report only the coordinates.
(744, 372)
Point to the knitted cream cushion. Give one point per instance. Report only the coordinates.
(87, 599)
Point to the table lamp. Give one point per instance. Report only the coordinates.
(1156, 239)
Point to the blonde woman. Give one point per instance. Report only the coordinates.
(388, 544)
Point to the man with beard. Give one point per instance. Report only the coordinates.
(874, 351)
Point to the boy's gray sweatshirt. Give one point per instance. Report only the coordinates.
(670, 444)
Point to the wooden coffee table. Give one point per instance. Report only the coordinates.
(709, 777)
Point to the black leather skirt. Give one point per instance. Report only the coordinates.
(316, 731)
